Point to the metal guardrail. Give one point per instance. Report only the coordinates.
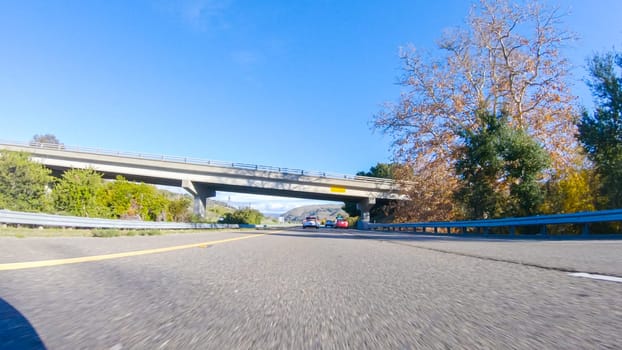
(50, 220)
(585, 219)
(196, 161)
(484, 226)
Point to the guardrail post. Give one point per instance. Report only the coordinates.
(512, 230)
(586, 229)
(543, 230)
(448, 230)
(435, 229)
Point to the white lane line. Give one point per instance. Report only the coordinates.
(596, 277)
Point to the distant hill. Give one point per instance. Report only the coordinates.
(215, 203)
(214, 210)
(323, 211)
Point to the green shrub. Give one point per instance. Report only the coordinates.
(352, 220)
(243, 216)
(150, 232)
(105, 233)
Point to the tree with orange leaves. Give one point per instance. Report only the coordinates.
(506, 59)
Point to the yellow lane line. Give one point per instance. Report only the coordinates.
(55, 262)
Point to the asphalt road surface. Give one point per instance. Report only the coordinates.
(308, 289)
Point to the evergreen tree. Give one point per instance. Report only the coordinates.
(600, 133)
(499, 168)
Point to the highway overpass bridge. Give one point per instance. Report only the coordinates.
(202, 178)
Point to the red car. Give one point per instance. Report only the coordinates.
(341, 223)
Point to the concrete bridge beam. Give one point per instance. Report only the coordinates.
(201, 193)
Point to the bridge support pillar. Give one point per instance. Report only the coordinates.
(201, 193)
(364, 207)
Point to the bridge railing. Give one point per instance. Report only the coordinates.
(485, 227)
(187, 160)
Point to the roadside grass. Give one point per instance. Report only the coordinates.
(117, 233)
(26, 232)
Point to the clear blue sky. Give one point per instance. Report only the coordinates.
(293, 84)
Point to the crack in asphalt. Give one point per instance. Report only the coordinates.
(490, 258)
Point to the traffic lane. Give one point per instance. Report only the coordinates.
(595, 256)
(45, 248)
(295, 292)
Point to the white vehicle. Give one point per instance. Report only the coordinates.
(311, 221)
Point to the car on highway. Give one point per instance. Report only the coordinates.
(311, 221)
(329, 223)
(341, 223)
